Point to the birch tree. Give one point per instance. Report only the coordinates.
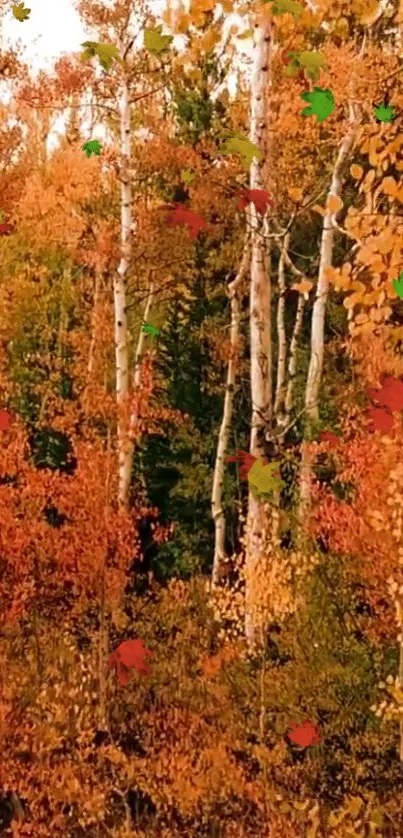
(234, 292)
(260, 303)
(319, 309)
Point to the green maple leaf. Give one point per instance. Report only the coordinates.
(398, 286)
(385, 113)
(150, 330)
(187, 176)
(321, 103)
(265, 478)
(242, 146)
(92, 147)
(311, 62)
(280, 7)
(20, 12)
(155, 42)
(105, 52)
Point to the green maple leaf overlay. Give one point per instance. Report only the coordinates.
(310, 62)
(280, 7)
(92, 147)
(321, 103)
(265, 478)
(20, 12)
(105, 52)
(155, 42)
(398, 286)
(242, 146)
(385, 113)
(187, 176)
(150, 330)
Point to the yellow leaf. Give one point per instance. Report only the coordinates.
(295, 193)
(303, 287)
(356, 171)
(352, 300)
(371, 13)
(334, 203)
(358, 286)
(389, 187)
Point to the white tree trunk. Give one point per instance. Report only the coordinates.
(125, 447)
(234, 289)
(318, 314)
(260, 308)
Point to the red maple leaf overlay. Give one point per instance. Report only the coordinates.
(259, 197)
(5, 228)
(181, 215)
(304, 735)
(6, 419)
(390, 395)
(329, 436)
(380, 419)
(129, 655)
(246, 461)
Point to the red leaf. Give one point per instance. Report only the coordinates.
(380, 420)
(130, 655)
(246, 461)
(391, 393)
(259, 197)
(5, 228)
(329, 436)
(181, 215)
(6, 419)
(304, 735)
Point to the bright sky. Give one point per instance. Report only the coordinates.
(46, 33)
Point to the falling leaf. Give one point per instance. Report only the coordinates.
(304, 735)
(248, 33)
(398, 286)
(20, 12)
(155, 42)
(150, 330)
(6, 419)
(265, 477)
(242, 146)
(390, 395)
(302, 287)
(129, 655)
(247, 460)
(281, 7)
(295, 193)
(187, 176)
(260, 198)
(5, 228)
(92, 147)
(309, 61)
(356, 171)
(321, 103)
(330, 437)
(105, 52)
(334, 203)
(379, 420)
(385, 113)
(181, 215)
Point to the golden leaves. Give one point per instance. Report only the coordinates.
(356, 171)
(334, 203)
(303, 287)
(295, 193)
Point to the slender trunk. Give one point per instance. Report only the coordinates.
(125, 448)
(292, 361)
(318, 319)
(282, 341)
(234, 288)
(94, 318)
(103, 611)
(260, 311)
(136, 381)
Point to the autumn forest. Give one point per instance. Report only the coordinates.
(201, 423)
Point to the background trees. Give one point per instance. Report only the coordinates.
(117, 504)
